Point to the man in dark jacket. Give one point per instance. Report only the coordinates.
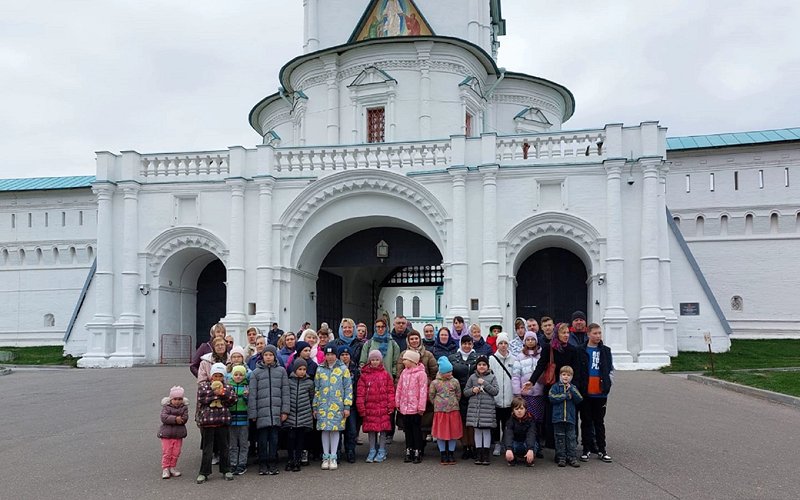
(577, 329)
(595, 382)
(274, 334)
(400, 332)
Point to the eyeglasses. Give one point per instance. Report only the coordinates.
(380, 327)
(229, 342)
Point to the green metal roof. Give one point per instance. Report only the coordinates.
(44, 183)
(732, 139)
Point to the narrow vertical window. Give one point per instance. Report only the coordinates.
(748, 224)
(468, 125)
(80, 218)
(786, 176)
(773, 223)
(700, 226)
(63, 219)
(30, 219)
(376, 124)
(415, 307)
(736, 181)
(13, 221)
(723, 225)
(760, 179)
(688, 183)
(398, 306)
(46, 219)
(711, 181)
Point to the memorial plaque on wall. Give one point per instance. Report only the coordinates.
(690, 309)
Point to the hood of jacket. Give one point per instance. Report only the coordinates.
(166, 400)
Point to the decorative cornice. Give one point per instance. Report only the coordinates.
(175, 239)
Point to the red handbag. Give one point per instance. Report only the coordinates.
(549, 375)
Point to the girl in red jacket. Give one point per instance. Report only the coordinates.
(375, 403)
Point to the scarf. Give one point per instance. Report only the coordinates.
(382, 342)
(346, 340)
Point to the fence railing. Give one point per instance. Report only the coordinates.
(544, 148)
(185, 165)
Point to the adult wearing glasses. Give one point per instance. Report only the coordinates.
(218, 330)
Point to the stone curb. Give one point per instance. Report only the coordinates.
(747, 390)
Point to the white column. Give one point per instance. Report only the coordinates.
(129, 327)
(651, 318)
(458, 242)
(424, 58)
(331, 63)
(665, 264)
(101, 341)
(264, 307)
(490, 312)
(312, 25)
(235, 320)
(615, 319)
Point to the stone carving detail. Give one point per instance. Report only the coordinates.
(548, 224)
(339, 185)
(530, 102)
(174, 240)
(275, 120)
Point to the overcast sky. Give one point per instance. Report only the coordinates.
(87, 75)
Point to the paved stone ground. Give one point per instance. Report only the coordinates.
(92, 434)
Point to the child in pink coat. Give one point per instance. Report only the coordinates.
(410, 399)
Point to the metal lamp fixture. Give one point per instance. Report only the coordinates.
(382, 250)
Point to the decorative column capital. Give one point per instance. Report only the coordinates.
(236, 185)
(130, 189)
(459, 175)
(265, 184)
(614, 168)
(104, 191)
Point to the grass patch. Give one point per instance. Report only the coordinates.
(40, 355)
(785, 382)
(744, 354)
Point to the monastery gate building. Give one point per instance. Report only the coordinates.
(400, 170)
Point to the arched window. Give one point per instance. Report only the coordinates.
(49, 320)
(723, 225)
(700, 226)
(415, 307)
(398, 306)
(773, 223)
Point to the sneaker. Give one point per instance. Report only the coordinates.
(296, 467)
(229, 476)
(351, 457)
(240, 471)
(332, 463)
(511, 463)
(585, 455)
(174, 472)
(165, 474)
(381, 456)
(262, 470)
(201, 479)
(215, 460)
(273, 471)
(529, 464)
(604, 457)
(371, 455)
(562, 463)
(304, 457)
(409, 456)
(573, 463)
(289, 466)
(326, 462)
(498, 449)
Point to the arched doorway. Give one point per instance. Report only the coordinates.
(353, 281)
(551, 282)
(190, 296)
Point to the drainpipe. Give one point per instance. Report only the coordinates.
(488, 95)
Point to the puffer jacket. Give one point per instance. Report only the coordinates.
(497, 363)
(426, 359)
(480, 411)
(564, 402)
(375, 398)
(204, 370)
(217, 415)
(301, 397)
(520, 430)
(412, 391)
(445, 394)
(333, 393)
(523, 369)
(482, 347)
(169, 428)
(269, 394)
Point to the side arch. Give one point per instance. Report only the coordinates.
(175, 239)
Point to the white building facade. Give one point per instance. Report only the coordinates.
(394, 126)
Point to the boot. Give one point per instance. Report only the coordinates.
(466, 454)
(445, 458)
(487, 452)
(478, 455)
(451, 459)
(409, 456)
(417, 456)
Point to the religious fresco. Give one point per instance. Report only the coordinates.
(387, 18)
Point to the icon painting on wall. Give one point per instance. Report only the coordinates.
(387, 18)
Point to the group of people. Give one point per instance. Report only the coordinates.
(510, 395)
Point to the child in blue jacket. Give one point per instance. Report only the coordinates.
(565, 397)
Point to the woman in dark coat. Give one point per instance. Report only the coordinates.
(564, 354)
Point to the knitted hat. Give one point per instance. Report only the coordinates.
(482, 359)
(297, 363)
(176, 392)
(411, 355)
(578, 315)
(375, 354)
(502, 337)
(217, 368)
(300, 345)
(445, 366)
(530, 334)
(237, 350)
(270, 348)
(343, 349)
(239, 369)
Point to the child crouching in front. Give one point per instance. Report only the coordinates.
(174, 413)
(520, 434)
(565, 397)
(214, 397)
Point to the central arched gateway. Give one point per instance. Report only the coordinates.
(551, 282)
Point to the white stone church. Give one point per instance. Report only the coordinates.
(399, 169)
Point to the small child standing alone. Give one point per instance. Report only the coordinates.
(411, 398)
(565, 397)
(174, 413)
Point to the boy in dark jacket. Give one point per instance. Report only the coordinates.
(519, 437)
(214, 397)
(301, 413)
(565, 397)
(596, 367)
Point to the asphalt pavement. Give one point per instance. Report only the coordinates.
(92, 434)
